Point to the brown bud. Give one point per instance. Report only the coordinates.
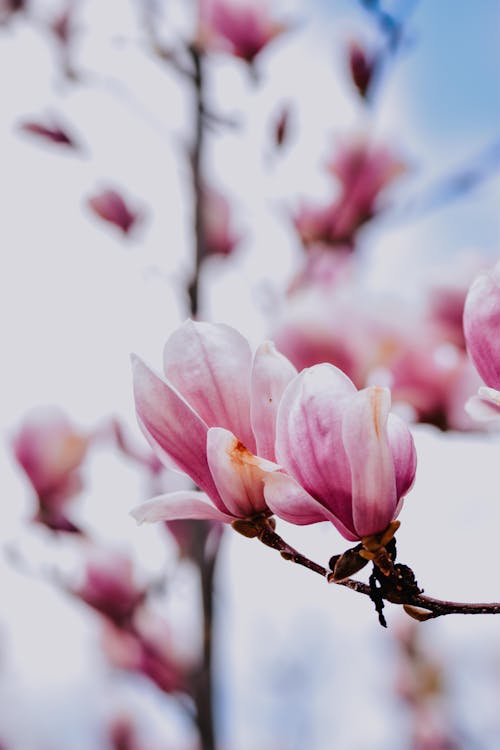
(347, 564)
(418, 613)
(247, 528)
(361, 68)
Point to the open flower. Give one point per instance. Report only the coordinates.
(212, 412)
(482, 329)
(348, 460)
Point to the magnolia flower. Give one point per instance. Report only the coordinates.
(361, 67)
(211, 413)
(243, 30)
(110, 206)
(482, 329)
(219, 236)
(51, 132)
(50, 451)
(347, 460)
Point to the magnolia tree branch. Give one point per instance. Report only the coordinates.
(395, 583)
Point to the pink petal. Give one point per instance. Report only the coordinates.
(481, 325)
(364, 433)
(178, 505)
(292, 503)
(308, 435)
(171, 426)
(403, 453)
(237, 473)
(210, 366)
(484, 407)
(271, 374)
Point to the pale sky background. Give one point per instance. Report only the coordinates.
(76, 300)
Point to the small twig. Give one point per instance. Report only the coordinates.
(398, 588)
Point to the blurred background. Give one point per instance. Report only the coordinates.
(342, 160)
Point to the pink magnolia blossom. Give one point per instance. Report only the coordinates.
(219, 236)
(361, 67)
(214, 409)
(110, 588)
(52, 132)
(110, 206)
(50, 451)
(243, 30)
(481, 329)
(363, 170)
(348, 460)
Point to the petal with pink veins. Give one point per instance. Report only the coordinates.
(171, 426)
(364, 433)
(238, 474)
(174, 506)
(292, 503)
(308, 434)
(403, 454)
(210, 366)
(271, 373)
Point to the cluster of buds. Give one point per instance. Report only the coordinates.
(258, 438)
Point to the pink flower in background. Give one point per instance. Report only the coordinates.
(363, 170)
(211, 413)
(219, 236)
(51, 451)
(110, 206)
(349, 461)
(110, 588)
(51, 132)
(243, 30)
(482, 335)
(361, 67)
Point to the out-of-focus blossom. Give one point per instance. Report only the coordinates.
(363, 171)
(149, 649)
(110, 588)
(242, 30)
(110, 206)
(52, 132)
(482, 329)
(219, 238)
(51, 451)
(211, 413)
(349, 461)
(9, 7)
(281, 129)
(361, 67)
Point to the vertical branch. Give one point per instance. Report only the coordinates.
(204, 558)
(196, 157)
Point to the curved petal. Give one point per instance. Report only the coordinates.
(309, 435)
(237, 473)
(175, 506)
(485, 406)
(481, 322)
(364, 432)
(403, 453)
(271, 373)
(171, 426)
(292, 503)
(210, 366)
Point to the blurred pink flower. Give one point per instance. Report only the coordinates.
(50, 451)
(219, 237)
(363, 171)
(109, 587)
(111, 206)
(52, 132)
(349, 461)
(361, 67)
(482, 329)
(215, 408)
(243, 30)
